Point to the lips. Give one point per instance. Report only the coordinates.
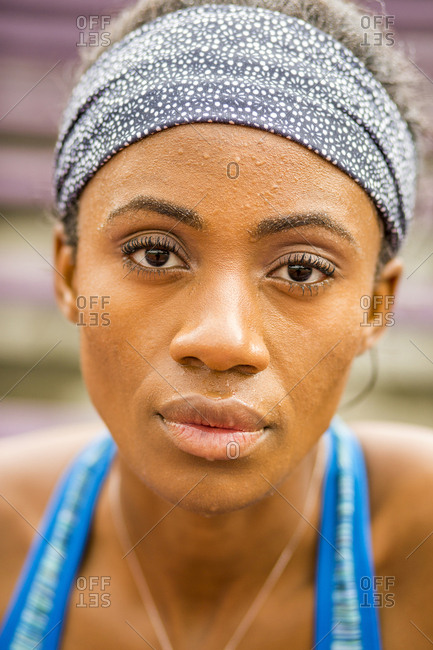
(223, 429)
(228, 413)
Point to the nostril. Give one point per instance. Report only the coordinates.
(190, 361)
(247, 370)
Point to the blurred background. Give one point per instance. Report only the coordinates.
(40, 382)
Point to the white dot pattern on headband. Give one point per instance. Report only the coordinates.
(240, 65)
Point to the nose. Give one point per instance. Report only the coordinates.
(221, 330)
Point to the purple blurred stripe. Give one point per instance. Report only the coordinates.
(26, 416)
(65, 7)
(25, 176)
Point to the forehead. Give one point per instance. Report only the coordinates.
(227, 166)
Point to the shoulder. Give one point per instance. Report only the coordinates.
(398, 456)
(30, 466)
(399, 463)
(31, 463)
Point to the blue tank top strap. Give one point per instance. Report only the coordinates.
(345, 614)
(36, 612)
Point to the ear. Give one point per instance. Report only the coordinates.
(64, 261)
(378, 309)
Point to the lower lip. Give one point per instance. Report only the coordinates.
(213, 443)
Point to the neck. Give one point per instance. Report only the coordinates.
(189, 558)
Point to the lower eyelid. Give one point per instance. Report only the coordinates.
(149, 271)
(306, 289)
(311, 289)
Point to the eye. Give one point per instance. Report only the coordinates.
(304, 269)
(152, 252)
(155, 256)
(301, 274)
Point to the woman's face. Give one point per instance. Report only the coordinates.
(259, 299)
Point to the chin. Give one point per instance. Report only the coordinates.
(218, 493)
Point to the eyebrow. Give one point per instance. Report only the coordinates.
(167, 208)
(292, 222)
(264, 228)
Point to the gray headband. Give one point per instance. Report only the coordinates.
(240, 65)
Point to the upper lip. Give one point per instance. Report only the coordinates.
(228, 413)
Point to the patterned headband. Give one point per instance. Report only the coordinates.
(240, 65)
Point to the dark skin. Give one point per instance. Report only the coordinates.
(228, 319)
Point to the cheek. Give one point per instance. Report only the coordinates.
(124, 346)
(312, 347)
(301, 333)
(114, 355)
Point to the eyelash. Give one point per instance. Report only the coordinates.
(308, 260)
